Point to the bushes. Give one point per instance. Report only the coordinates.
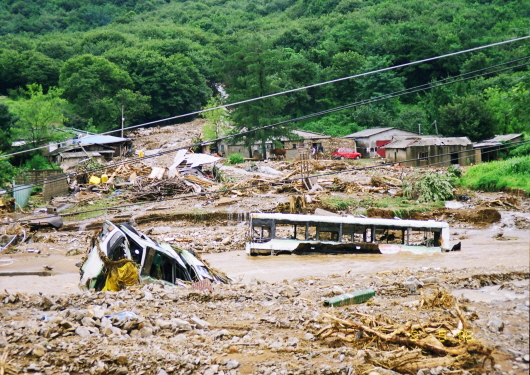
(431, 187)
(235, 159)
(338, 203)
(513, 173)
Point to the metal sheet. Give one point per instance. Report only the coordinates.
(21, 193)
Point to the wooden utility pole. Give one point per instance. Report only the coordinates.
(122, 120)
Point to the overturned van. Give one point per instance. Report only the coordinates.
(120, 256)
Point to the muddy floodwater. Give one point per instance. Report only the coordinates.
(480, 248)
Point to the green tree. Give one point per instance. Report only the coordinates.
(173, 83)
(7, 122)
(467, 117)
(92, 85)
(39, 115)
(7, 172)
(135, 105)
(217, 121)
(252, 71)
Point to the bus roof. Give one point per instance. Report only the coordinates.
(296, 218)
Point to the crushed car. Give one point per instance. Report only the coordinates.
(120, 256)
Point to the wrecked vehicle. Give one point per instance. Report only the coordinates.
(275, 233)
(120, 256)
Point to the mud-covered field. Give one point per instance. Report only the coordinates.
(446, 313)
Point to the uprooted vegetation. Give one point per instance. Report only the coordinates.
(442, 338)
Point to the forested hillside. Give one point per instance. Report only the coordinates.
(87, 59)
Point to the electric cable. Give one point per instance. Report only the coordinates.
(306, 87)
(439, 83)
(282, 182)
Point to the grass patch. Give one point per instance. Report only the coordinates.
(101, 206)
(235, 159)
(401, 206)
(513, 174)
(338, 203)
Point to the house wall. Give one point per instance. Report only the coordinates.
(371, 141)
(329, 145)
(442, 156)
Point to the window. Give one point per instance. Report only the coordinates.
(423, 155)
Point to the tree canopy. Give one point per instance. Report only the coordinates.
(163, 58)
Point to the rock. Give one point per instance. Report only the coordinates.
(121, 371)
(82, 331)
(148, 296)
(284, 323)
(33, 367)
(212, 370)
(39, 351)
(200, 323)
(231, 364)
(146, 332)
(87, 322)
(99, 313)
(122, 360)
(412, 284)
(161, 230)
(182, 325)
(226, 241)
(309, 336)
(385, 371)
(495, 324)
(526, 358)
(430, 280)
(338, 290)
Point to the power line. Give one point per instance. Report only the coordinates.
(331, 81)
(284, 182)
(336, 109)
(301, 88)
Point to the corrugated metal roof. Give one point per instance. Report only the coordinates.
(370, 132)
(69, 155)
(404, 142)
(367, 132)
(486, 144)
(310, 135)
(504, 138)
(100, 139)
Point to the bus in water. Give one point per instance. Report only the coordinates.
(276, 233)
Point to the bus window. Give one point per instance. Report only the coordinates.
(284, 231)
(261, 232)
(328, 236)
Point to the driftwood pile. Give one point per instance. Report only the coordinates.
(406, 347)
(159, 189)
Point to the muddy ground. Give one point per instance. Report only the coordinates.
(270, 319)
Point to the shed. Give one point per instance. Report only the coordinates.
(300, 139)
(488, 150)
(73, 154)
(427, 150)
(370, 141)
(120, 145)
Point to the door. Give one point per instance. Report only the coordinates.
(380, 149)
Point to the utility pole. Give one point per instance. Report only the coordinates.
(122, 120)
(419, 128)
(436, 126)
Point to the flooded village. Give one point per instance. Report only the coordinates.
(168, 260)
